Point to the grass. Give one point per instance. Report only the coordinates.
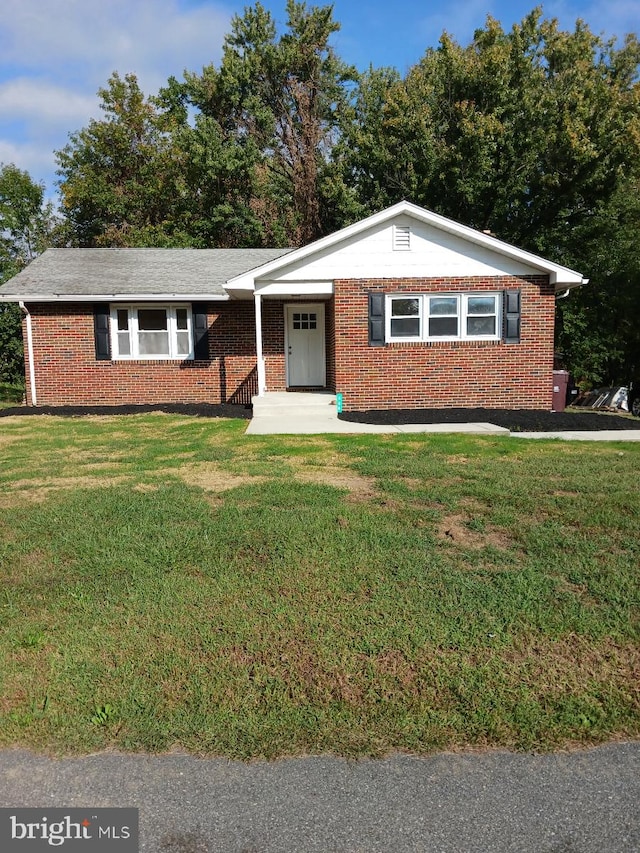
(170, 582)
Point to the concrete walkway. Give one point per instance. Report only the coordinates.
(316, 413)
(586, 435)
(314, 424)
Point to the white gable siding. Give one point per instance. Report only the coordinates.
(433, 253)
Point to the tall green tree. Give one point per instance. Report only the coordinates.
(121, 176)
(530, 134)
(26, 227)
(521, 132)
(278, 99)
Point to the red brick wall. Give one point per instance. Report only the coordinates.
(487, 374)
(445, 374)
(67, 372)
(273, 344)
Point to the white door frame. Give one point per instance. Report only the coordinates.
(319, 308)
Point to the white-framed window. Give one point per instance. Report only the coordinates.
(443, 317)
(151, 331)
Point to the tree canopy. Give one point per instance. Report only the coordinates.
(26, 226)
(532, 133)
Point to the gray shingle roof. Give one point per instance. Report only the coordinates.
(153, 272)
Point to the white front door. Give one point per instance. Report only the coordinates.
(304, 343)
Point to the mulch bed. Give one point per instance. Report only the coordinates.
(518, 420)
(201, 410)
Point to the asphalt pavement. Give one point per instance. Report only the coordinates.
(492, 802)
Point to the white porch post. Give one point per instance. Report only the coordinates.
(262, 376)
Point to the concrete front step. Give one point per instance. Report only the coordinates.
(282, 404)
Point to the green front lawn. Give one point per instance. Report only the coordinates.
(169, 582)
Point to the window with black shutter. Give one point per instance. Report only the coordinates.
(511, 320)
(200, 331)
(101, 332)
(376, 320)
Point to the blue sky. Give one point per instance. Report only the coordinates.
(55, 54)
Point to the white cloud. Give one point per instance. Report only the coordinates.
(39, 100)
(31, 157)
(85, 40)
(56, 54)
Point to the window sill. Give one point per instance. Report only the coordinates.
(158, 360)
(468, 342)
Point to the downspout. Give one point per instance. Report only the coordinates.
(566, 292)
(262, 377)
(30, 359)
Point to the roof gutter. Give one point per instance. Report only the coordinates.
(113, 297)
(30, 358)
(562, 294)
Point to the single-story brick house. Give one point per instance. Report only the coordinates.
(403, 309)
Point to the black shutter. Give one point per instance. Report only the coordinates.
(200, 331)
(101, 332)
(376, 319)
(511, 324)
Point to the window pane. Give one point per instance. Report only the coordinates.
(481, 305)
(481, 326)
(182, 343)
(181, 318)
(405, 328)
(443, 327)
(153, 343)
(123, 319)
(405, 307)
(440, 305)
(152, 319)
(124, 345)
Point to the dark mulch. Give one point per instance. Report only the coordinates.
(518, 420)
(201, 410)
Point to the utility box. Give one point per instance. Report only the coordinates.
(560, 384)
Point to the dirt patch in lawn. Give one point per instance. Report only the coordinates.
(455, 529)
(565, 665)
(37, 491)
(359, 487)
(212, 478)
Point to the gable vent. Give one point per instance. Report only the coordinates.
(401, 237)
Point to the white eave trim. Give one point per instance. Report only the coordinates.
(561, 277)
(306, 289)
(113, 297)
